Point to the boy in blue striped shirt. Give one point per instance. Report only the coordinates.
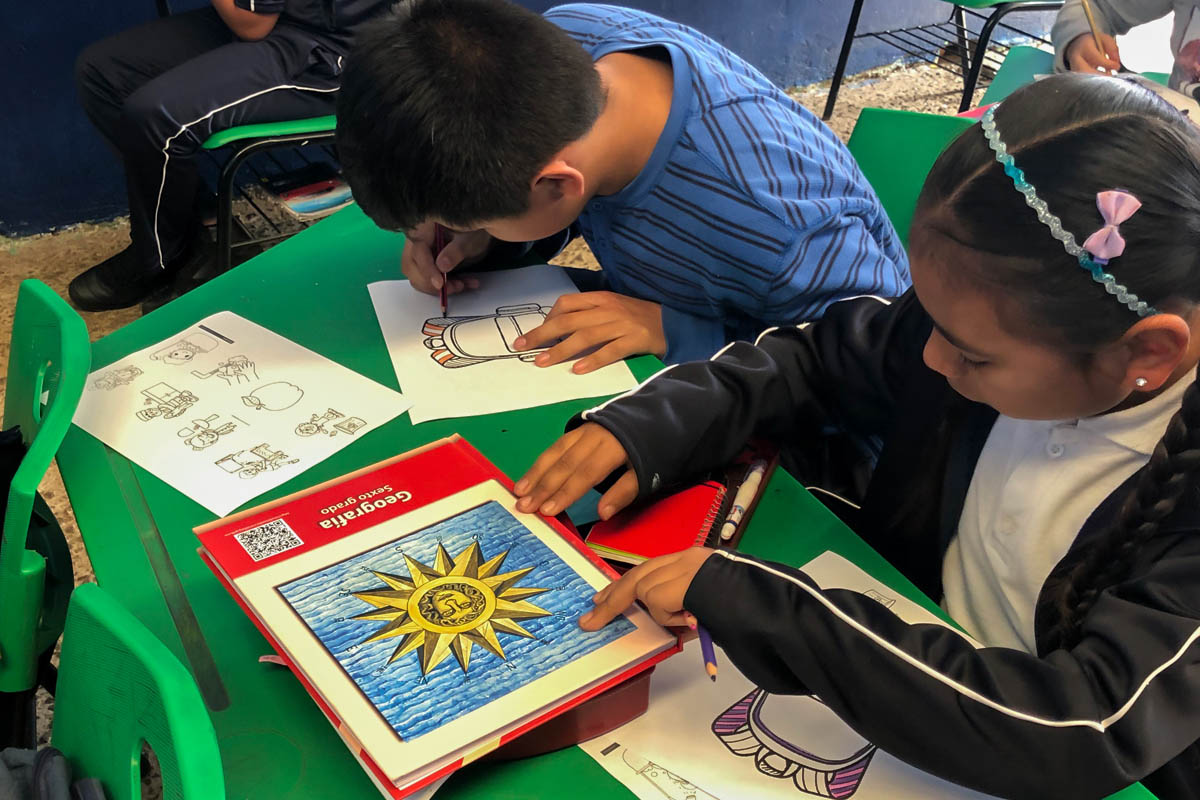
(715, 205)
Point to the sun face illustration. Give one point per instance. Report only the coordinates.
(450, 607)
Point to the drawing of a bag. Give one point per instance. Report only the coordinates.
(463, 341)
(743, 729)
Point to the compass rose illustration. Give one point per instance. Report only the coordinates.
(450, 607)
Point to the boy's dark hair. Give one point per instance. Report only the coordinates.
(1075, 135)
(448, 108)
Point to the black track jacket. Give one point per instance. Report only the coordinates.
(1123, 705)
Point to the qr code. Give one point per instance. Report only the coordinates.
(269, 539)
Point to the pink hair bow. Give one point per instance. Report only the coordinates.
(1115, 206)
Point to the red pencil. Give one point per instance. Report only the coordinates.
(439, 244)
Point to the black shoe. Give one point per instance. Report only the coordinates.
(108, 285)
(196, 267)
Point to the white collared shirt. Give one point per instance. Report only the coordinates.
(1035, 484)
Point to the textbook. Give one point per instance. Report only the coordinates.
(429, 619)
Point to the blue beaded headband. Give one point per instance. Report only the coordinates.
(1095, 267)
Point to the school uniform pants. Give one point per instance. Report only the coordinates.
(157, 91)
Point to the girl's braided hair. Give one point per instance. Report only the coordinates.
(1075, 135)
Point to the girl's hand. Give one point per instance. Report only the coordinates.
(573, 465)
(660, 584)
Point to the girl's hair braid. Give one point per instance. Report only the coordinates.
(1162, 482)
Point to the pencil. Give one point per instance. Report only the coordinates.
(706, 645)
(1091, 20)
(439, 244)
(706, 650)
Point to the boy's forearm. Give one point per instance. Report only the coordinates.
(248, 25)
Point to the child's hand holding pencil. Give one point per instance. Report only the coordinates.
(429, 268)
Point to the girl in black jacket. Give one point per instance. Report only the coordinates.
(1040, 423)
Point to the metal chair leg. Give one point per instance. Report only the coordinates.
(843, 57)
(985, 37)
(964, 40)
(18, 719)
(225, 212)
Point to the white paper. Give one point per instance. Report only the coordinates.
(673, 750)
(225, 409)
(463, 365)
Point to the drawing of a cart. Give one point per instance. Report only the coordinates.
(463, 341)
(260, 458)
(165, 401)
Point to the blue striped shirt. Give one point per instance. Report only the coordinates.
(749, 213)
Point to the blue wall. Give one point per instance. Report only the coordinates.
(56, 170)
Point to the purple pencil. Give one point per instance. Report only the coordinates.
(706, 650)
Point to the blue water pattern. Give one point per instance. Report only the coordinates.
(413, 706)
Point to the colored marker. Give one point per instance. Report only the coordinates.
(743, 498)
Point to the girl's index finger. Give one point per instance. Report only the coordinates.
(611, 602)
(619, 595)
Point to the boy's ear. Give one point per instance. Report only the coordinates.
(1155, 346)
(557, 181)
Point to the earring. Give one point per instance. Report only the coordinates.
(1140, 382)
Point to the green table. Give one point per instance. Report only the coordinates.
(274, 741)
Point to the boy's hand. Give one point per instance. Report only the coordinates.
(1083, 56)
(659, 583)
(618, 325)
(417, 263)
(573, 465)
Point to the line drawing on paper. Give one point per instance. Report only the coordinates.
(276, 396)
(183, 350)
(203, 433)
(236, 369)
(316, 424)
(672, 786)
(258, 459)
(121, 376)
(220, 336)
(882, 599)
(351, 425)
(742, 729)
(165, 401)
(465, 341)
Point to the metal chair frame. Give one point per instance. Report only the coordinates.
(925, 42)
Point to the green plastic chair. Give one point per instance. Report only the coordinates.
(120, 687)
(879, 134)
(245, 141)
(48, 366)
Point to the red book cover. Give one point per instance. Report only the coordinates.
(668, 525)
(430, 620)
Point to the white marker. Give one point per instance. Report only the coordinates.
(745, 495)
